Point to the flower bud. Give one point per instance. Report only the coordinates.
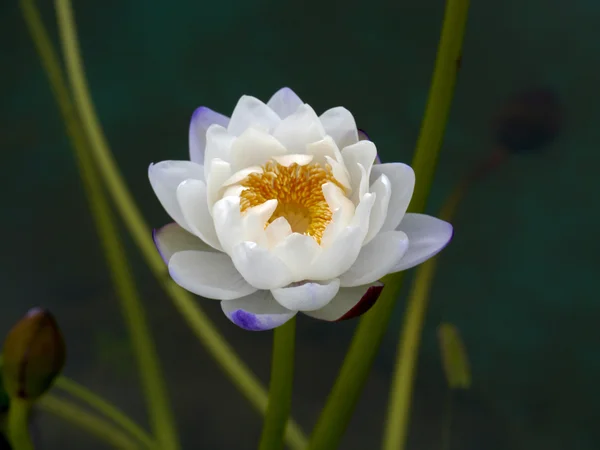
(33, 355)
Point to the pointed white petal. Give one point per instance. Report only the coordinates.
(208, 274)
(297, 251)
(242, 174)
(277, 231)
(426, 237)
(343, 251)
(259, 267)
(360, 154)
(254, 220)
(382, 188)
(228, 222)
(323, 148)
(219, 172)
(251, 112)
(165, 177)
(171, 239)
(340, 125)
(299, 129)
(254, 148)
(307, 296)
(339, 173)
(193, 201)
(376, 259)
(218, 145)
(402, 178)
(343, 212)
(288, 160)
(202, 118)
(284, 102)
(349, 303)
(257, 312)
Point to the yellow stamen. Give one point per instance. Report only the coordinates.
(298, 191)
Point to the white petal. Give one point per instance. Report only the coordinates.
(218, 145)
(339, 173)
(165, 177)
(402, 178)
(259, 267)
(171, 239)
(382, 188)
(323, 148)
(208, 274)
(254, 220)
(307, 296)
(242, 174)
(284, 102)
(376, 259)
(277, 231)
(298, 251)
(343, 251)
(193, 201)
(228, 222)
(257, 312)
(349, 303)
(219, 172)
(254, 148)
(340, 125)
(202, 118)
(426, 237)
(343, 212)
(288, 160)
(251, 112)
(299, 129)
(362, 154)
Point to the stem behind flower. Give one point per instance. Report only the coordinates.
(371, 329)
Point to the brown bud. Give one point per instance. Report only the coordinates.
(34, 354)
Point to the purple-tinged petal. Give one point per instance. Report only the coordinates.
(349, 303)
(203, 118)
(284, 102)
(256, 312)
(171, 239)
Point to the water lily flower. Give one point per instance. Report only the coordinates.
(280, 210)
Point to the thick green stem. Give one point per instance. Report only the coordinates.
(371, 329)
(280, 393)
(18, 424)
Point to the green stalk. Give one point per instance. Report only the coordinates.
(280, 394)
(89, 422)
(133, 311)
(368, 336)
(18, 424)
(241, 376)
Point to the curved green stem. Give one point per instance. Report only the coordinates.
(396, 429)
(370, 331)
(89, 422)
(282, 380)
(102, 406)
(18, 424)
(200, 324)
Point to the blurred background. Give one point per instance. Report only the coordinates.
(518, 279)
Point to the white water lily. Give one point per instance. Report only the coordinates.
(280, 210)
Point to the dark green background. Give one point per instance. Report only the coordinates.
(519, 279)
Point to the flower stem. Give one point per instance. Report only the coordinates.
(396, 428)
(89, 422)
(371, 329)
(152, 382)
(18, 424)
(280, 393)
(203, 328)
(104, 407)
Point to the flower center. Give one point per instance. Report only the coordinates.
(299, 194)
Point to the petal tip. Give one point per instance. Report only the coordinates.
(366, 302)
(247, 321)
